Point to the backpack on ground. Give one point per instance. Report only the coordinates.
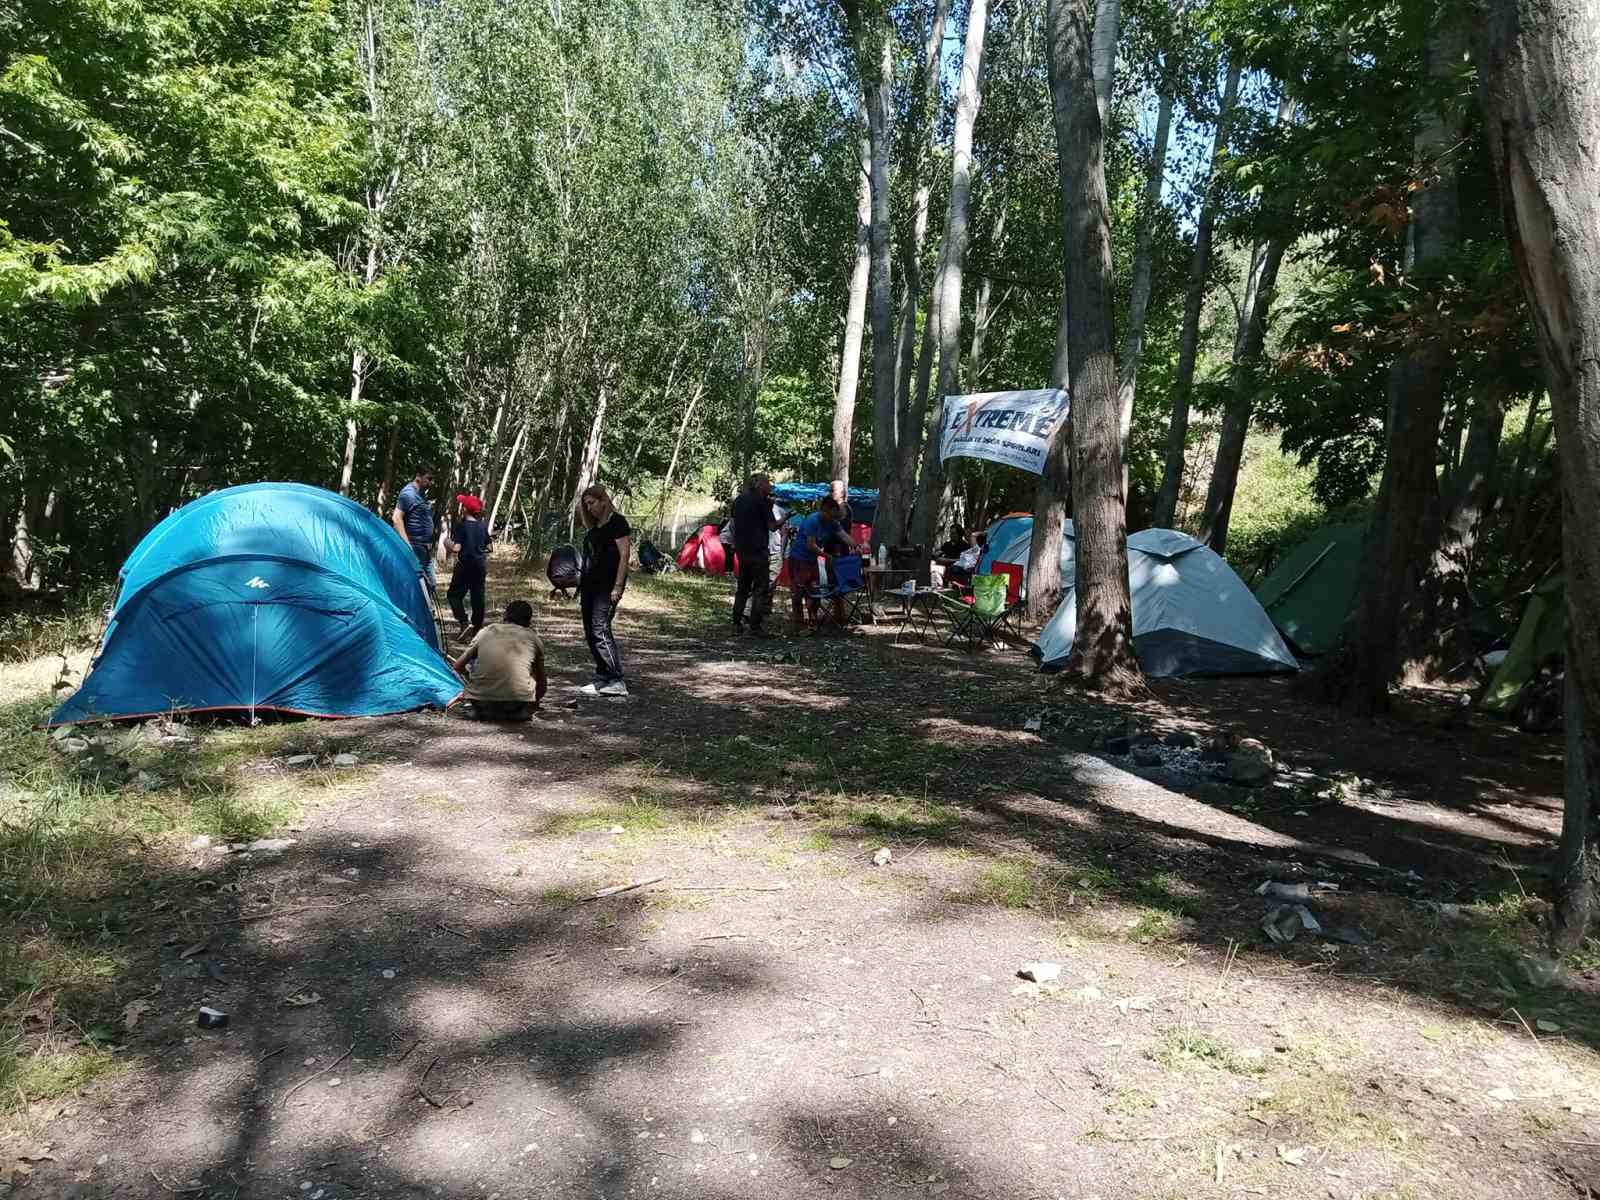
(562, 571)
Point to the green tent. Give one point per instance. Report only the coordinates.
(1309, 593)
(1543, 632)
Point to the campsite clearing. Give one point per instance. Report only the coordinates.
(423, 1001)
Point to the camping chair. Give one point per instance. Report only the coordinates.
(1011, 620)
(845, 585)
(978, 623)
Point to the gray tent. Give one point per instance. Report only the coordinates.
(1191, 614)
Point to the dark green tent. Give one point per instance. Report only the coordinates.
(1543, 632)
(1309, 593)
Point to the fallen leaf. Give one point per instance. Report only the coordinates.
(1133, 1004)
(132, 1011)
(1545, 1025)
(1294, 1156)
(302, 999)
(839, 1163)
(1089, 994)
(191, 951)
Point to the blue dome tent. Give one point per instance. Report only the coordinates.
(271, 597)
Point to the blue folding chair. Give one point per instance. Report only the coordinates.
(847, 587)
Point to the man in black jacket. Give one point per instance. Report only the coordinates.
(753, 522)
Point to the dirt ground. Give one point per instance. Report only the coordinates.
(424, 1000)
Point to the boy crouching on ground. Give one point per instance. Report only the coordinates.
(508, 680)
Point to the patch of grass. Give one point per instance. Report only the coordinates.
(1153, 925)
(818, 841)
(1325, 1107)
(565, 893)
(1009, 883)
(1183, 1046)
(670, 901)
(35, 628)
(635, 816)
(54, 1069)
(1130, 1101)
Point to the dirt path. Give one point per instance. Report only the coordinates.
(779, 1016)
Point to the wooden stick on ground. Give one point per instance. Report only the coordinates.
(623, 887)
(318, 1075)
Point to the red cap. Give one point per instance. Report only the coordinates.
(470, 504)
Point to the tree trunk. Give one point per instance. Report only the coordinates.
(1541, 100)
(1107, 20)
(844, 400)
(589, 464)
(1438, 627)
(1359, 676)
(386, 486)
(1102, 654)
(923, 142)
(1143, 269)
(875, 56)
(1248, 342)
(1166, 506)
(505, 475)
(750, 393)
(947, 282)
(358, 380)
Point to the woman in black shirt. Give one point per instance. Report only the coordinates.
(604, 578)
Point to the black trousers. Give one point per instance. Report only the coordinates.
(597, 614)
(755, 589)
(469, 579)
(500, 710)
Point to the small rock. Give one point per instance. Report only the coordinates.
(1503, 1094)
(1040, 972)
(102, 1160)
(335, 1081)
(300, 760)
(345, 760)
(1033, 724)
(1182, 740)
(1090, 994)
(882, 858)
(1251, 764)
(839, 1162)
(616, 829)
(388, 972)
(211, 1018)
(1545, 1025)
(270, 845)
(697, 1136)
(202, 842)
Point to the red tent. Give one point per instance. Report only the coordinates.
(703, 552)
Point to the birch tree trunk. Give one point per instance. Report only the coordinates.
(386, 485)
(1541, 101)
(874, 53)
(844, 400)
(1359, 676)
(1102, 654)
(1166, 506)
(589, 463)
(505, 475)
(1143, 270)
(1265, 260)
(1107, 24)
(947, 281)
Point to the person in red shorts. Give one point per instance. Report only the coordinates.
(810, 541)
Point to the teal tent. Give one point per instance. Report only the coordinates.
(273, 597)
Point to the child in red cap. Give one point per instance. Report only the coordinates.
(469, 539)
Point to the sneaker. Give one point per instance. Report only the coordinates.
(589, 689)
(615, 688)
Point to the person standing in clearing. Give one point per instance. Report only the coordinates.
(753, 524)
(811, 542)
(845, 541)
(509, 680)
(469, 541)
(413, 520)
(603, 579)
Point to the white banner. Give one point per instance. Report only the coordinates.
(1013, 428)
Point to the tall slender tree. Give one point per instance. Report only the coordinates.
(855, 316)
(1166, 505)
(1102, 652)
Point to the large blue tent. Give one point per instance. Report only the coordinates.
(270, 597)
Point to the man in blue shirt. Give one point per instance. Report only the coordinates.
(413, 519)
(811, 541)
